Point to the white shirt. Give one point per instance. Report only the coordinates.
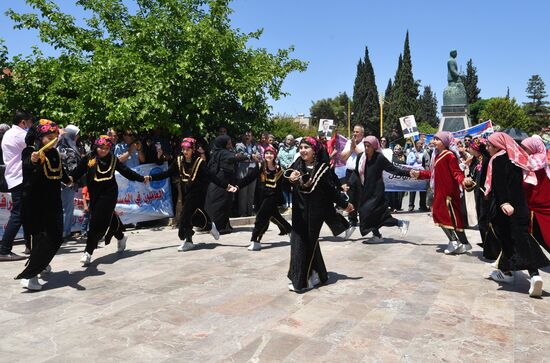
(350, 163)
(13, 144)
(388, 153)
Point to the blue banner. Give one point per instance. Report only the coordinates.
(395, 183)
(137, 202)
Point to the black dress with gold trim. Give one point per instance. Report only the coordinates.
(267, 195)
(42, 212)
(313, 197)
(194, 181)
(101, 182)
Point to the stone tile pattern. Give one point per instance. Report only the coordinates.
(398, 301)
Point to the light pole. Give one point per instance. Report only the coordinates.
(382, 101)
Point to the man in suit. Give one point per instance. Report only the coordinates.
(409, 127)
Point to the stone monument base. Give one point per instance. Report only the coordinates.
(455, 118)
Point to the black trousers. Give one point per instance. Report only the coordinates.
(267, 212)
(103, 222)
(193, 214)
(44, 246)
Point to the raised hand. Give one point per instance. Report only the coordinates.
(35, 156)
(295, 175)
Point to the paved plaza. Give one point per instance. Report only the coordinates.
(398, 301)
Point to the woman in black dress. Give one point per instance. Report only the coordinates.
(99, 167)
(42, 213)
(368, 191)
(223, 182)
(193, 178)
(509, 220)
(314, 193)
(268, 192)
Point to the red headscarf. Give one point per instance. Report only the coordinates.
(271, 149)
(46, 127)
(188, 143)
(103, 140)
(516, 154)
(537, 154)
(313, 142)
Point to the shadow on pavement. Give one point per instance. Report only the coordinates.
(520, 285)
(268, 245)
(334, 277)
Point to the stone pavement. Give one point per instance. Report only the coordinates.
(401, 300)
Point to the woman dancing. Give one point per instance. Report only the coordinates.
(314, 193)
(99, 167)
(193, 177)
(268, 194)
(42, 213)
(368, 190)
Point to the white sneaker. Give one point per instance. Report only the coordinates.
(255, 246)
(313, 280)
(452, 247)
(31, 284)
(214, 232)
(86, 259)
(121, 244)
(499, 276)
(186, 246)
(291, 287)
(349, 232)
(377, 239)
(464, 247)
(404, 227)
(47, 270)
(536, 286)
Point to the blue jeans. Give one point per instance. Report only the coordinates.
(85, 223)
(14, 223)
(287, 195)
(67, 201)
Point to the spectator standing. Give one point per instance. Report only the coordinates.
(353, 148)
(70, 157)
(130, 151)
(287, 153)
(249, 149)
(416, 158)
(13, 144)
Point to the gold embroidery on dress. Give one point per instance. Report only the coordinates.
(53, 173)
(110, 170)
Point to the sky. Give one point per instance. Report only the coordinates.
(507, 40)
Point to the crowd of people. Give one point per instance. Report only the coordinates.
(492, 183)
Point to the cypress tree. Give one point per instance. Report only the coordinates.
(366, 106)
(427, 107)
(405, 88)
(470, 83)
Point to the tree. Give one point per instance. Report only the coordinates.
(506, 113)
(171, 63)
(282, 125)
(405, 89)
(427, 108)
(366, 106)
(470, 83)
(331, 108)
(537, 93)
(476, 108)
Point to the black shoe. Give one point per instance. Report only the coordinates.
(12, 257)
(411, 209)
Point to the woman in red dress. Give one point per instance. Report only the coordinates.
(538, 196)
(446, 180)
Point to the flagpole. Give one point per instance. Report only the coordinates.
(381, 115)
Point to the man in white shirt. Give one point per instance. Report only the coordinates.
(353, 148)
(13, 144)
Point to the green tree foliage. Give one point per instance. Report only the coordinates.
(506, 113)
(366, 106)
(537, 93)
(426, 128)
(476, 108)
(427, 108)
(172, 63)
(282, 125)
(391, 119)
(470, 83)
(331, 108)
(404, 91)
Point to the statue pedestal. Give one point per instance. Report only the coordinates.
(455, 118)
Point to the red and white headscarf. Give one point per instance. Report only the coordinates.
(103, 140)
(537, 153)
(272, 150)
(188, 143)
(516, 154)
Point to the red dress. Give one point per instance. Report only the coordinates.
(446, 208)
(538, 200)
